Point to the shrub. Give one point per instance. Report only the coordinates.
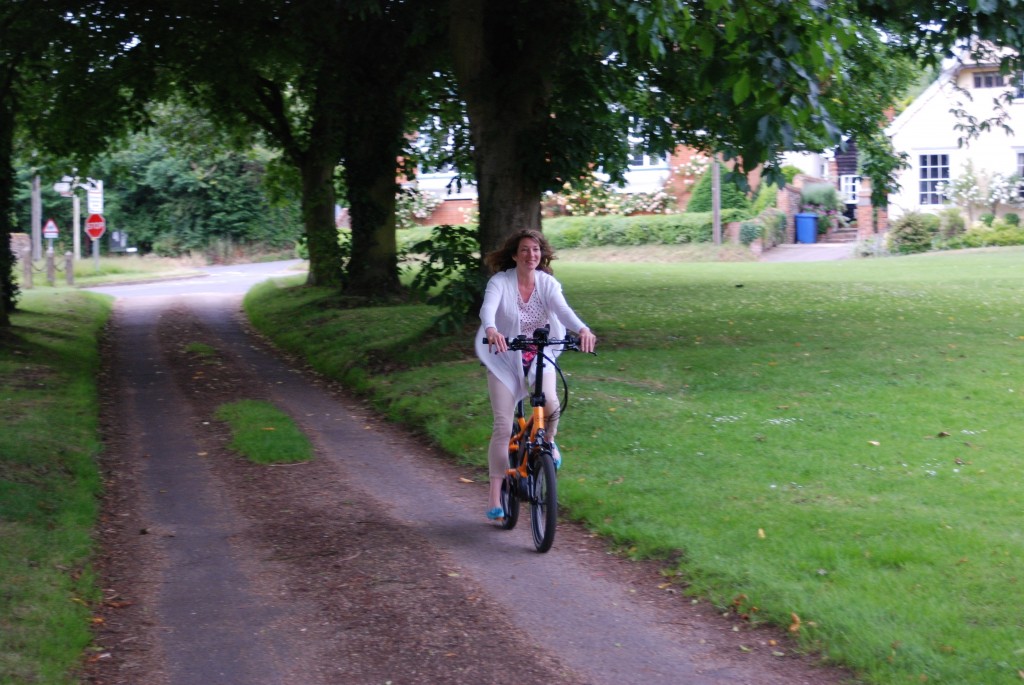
(774, 222)
(658, 229)
(766, 197)
(1012, 218)
(790, 172)
(751, 231)
(987, 218)
(951, 222)
(451, 265)
(732, 196)
(913, 232)
(412, 205)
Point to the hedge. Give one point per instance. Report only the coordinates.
(658, 229)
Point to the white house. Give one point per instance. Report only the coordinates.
(930, 130)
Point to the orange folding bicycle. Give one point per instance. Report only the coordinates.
(531, 474)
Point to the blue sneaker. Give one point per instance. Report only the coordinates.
(496, 514)
(556, 456)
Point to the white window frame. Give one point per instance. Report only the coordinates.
(930, 166)
(1020, 173)
(989, 79)
(849, 186)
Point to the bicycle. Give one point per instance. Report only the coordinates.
(531, 475)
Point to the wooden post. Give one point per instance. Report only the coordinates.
(51, 267)
(26, 269)
(69, 267)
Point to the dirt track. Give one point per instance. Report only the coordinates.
(371, 564)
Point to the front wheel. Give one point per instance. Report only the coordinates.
(543, 501)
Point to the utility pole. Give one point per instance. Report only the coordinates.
(37, 218)
(716, 200)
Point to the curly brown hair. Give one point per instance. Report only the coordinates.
(502, 258)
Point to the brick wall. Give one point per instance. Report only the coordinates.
(450, 212)
(19, 243)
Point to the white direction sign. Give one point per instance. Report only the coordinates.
(94, 198)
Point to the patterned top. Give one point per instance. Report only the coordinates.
(532, 316)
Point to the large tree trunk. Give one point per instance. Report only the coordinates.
(373, 140)
(8, 289)
(326, 267)
(503, 55)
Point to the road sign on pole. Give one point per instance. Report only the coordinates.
(94, 197)
(50, 230)
(95, 226)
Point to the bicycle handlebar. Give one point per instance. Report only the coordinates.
(521, 342)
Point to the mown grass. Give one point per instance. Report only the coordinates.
(264, 434)
(49, 483)
(836, 441)
(112, 269)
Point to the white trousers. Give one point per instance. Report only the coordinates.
(503, 405)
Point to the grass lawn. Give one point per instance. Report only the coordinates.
(833, 441)
(49, 483)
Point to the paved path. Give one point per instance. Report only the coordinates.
(216, 626)
(813, 252)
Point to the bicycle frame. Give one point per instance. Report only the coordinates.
(533, 429)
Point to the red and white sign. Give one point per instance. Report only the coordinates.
(50, 230)
(95, 226)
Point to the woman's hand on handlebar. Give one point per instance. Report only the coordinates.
(496, 341)
(588, 341)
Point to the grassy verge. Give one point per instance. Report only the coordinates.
(49, 483)
(113, 270)
(264, 434)
(836, 441)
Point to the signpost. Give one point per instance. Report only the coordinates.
(94, 199)
(95, 227)
(50, 232)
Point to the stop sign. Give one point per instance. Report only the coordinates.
(95, 226)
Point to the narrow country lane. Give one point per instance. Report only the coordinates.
(371, 564)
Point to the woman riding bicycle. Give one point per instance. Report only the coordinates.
(521, 297)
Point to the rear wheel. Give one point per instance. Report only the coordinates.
(543, 501)
(510, 485)
(510, 503)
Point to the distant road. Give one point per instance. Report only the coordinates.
(222, 280)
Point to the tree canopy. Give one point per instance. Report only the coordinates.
(550, 89)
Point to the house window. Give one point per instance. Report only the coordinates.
(849, 184)
(639, 159)
(988, 79)
(934, 171)
(1020, 174)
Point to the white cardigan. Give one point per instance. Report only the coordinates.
(501, 310)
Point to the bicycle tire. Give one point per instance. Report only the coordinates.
(543, 501)
(509, 503)
(509, 485)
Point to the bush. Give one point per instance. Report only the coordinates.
(766, 197)
(657, 229)
(732, 196)
(913, 232)
(820, 197)
(1012, 219)
(987, 218)
(774, 222)
(951, 222)
(751, 231)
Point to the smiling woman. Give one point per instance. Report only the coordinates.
(520, 297)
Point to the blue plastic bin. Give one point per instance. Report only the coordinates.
(806, 228)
